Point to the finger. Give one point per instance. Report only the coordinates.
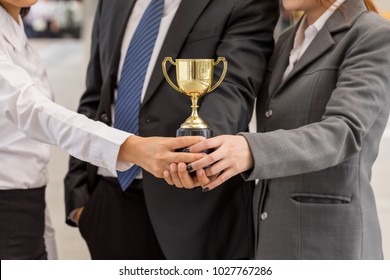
(184, 141)
(206, 144)
(185, 157)
(202, 178)
(223, 177)
(175, 176)
(206, 160)
(185, 178)
(168, 178)
(217, 168)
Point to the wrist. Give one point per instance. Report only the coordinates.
(128, 149)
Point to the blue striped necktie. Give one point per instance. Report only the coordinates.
(130, 85)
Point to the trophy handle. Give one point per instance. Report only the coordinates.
(164, 68)
(223, 73)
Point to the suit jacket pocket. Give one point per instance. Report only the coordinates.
(201, 35)
(320, 198)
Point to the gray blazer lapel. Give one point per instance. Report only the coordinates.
(185, 17)
(321, 43)
(282, 61)
(339, 21)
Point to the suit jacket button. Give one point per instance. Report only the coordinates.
(105, 118)
(269, 113)
(263, 215)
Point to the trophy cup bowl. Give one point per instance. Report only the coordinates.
(194, 78)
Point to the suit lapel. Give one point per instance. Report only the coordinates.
(282, 61)
(339, 21)
(321, 44)
(115, 20)
(116, 29)
(186, 16)
(123, 10)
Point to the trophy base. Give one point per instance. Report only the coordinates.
(205, 132)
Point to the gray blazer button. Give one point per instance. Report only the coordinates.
(105, 118)
(263, 215)
(268, 114)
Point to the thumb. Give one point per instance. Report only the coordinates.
(184, 141)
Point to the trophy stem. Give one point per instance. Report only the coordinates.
(194, 106)
(194, 125)
(194, 121)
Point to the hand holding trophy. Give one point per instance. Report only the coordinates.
(194, 78)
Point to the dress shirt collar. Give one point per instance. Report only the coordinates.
(305, 34)
(11, 30)
(311, 30)
(320, 22)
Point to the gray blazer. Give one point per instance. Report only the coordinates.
(319, 135)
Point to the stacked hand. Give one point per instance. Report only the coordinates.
(155, 154)
(230, 157)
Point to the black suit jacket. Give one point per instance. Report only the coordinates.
(189, 224)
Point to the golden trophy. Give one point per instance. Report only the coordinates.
(194, 78)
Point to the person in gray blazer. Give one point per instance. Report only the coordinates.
(320, 119)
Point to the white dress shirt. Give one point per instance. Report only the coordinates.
(170, 9)
(27, 112)
(306, 34)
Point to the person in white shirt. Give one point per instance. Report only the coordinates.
(320, 119)
(29, 120)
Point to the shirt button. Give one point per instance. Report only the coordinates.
(269, 113)
(263, 215)
(105, 118)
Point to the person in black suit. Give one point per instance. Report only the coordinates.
(152, 220)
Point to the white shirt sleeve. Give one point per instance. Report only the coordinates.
(34, 113)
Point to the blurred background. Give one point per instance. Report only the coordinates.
(55, 19)
(60, 31)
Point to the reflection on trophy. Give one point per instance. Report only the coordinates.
(194, 78)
